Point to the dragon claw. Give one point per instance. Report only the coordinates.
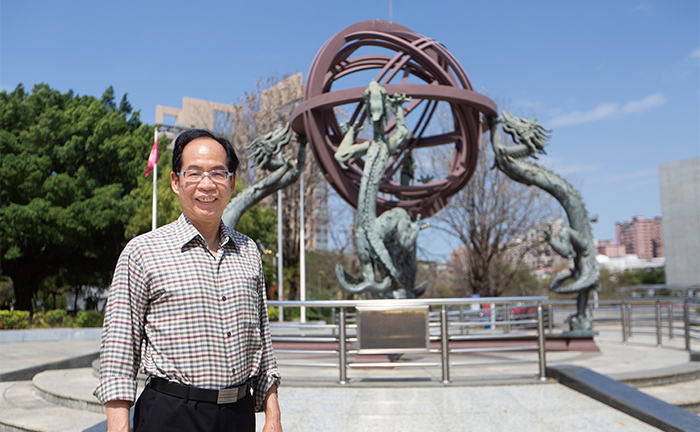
(355, 285)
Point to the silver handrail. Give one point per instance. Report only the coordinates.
(342, 306)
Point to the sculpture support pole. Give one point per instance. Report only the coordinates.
(302, 249)
(280, 261)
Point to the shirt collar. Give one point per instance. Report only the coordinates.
(185, 232)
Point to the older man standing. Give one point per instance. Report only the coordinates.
(187, 305)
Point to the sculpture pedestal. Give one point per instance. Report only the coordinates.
(573, 341)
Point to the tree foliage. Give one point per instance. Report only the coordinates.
(647, 276)
(68, 165)
(612, 281)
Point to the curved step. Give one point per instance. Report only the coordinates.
(21, 409)
(70, 388)
(671, 375)
(684, 394)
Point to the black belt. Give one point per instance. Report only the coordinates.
(223, 396)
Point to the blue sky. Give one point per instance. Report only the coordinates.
(617, 81)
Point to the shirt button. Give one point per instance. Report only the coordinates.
(223, 298)
(228, 334)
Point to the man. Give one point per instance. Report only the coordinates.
(188, 304)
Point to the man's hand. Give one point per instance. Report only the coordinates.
(118, 415)
(273, 420)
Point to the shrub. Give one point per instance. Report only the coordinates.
(273, 313)
(312, 313)
(14, 319)
(55, 318)
(39, 320)
(318, 314)
(52, 318)
(89, 319)
(68, 321)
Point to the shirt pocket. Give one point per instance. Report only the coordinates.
(247, 299)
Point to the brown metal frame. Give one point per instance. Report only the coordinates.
(415, 57)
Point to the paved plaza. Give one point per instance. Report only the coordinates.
(483, 398)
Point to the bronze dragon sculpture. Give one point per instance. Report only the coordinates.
(387, 241)
(266, 154)
(575, 241)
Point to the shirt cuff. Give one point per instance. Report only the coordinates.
(110, 389)
(262, 385)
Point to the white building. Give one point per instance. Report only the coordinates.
(680, 205)
(629, 262)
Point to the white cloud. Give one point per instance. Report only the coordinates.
(609, 110)
(649, 102)
(566, 170)
(633, 175)
(644, 182)
(628, 180)
(642, 7)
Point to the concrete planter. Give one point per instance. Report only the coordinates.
(51, 334)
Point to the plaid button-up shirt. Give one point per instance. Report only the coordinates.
(183, 314)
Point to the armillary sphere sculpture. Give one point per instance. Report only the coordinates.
(400, 62)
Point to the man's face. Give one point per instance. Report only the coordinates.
(203, 202)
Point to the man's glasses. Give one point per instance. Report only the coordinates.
(217, 176)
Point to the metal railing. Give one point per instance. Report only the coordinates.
(503, 319)
(663, 317)
(659, 315)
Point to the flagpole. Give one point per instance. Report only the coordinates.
(154, 215)
(302, 249)
(280, 255)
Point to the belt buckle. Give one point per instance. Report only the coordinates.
(229, 395)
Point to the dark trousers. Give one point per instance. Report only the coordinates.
(156, 412)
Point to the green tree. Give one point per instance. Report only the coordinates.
(260, 224)
(648, 276)
(68, 165)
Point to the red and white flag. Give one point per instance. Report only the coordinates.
(153, 157)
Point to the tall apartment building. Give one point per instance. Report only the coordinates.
(610, 249)
(641, 237)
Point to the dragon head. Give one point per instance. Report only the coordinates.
(375, 97)
(526, 132)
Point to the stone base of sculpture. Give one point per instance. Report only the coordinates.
(580, 324)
